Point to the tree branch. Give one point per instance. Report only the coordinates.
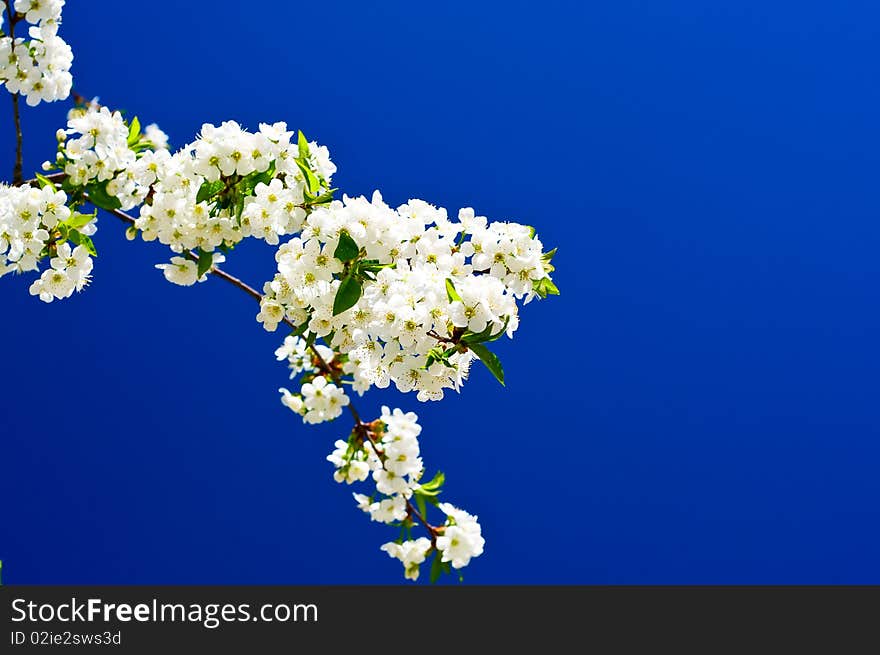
(16, 170)
(363, 428)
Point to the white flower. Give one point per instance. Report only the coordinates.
(180, 271)
(363, 502)
(292, 402)
(323, 400)
(411, 553)
(352, 464)
(156, 136)
(389, 510)
(38, 69)
(462, 537)
(404, 326)
(298, 355)
(53, 283)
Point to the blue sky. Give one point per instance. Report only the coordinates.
(699, 406)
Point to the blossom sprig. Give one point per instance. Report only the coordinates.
(387, 450)
(106, 157)
(36, 224)
(37, 68)
(43, 220)
(409, 296)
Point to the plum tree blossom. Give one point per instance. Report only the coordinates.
(369, 294)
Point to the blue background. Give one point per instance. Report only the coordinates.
(699, 406)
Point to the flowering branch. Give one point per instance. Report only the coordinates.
(364, 429)
(372, 295)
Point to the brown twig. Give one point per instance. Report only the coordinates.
(16, 115)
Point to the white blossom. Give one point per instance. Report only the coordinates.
(411, 553)
(37, 68)
(462, 537)
(180, 271)
(30, 224)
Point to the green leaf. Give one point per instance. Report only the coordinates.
(303, 145)
(451, 292)
(490, 359)
(249, 182)
(420, 502)
(431, 489)
(134, 131)
(436, 568)
(348, 294)
(325, 197)
(546, 257)
(98, 196)
(312, 183)
(485, 335)
(45, 182)
(209, 189)
(545, 287)
(78, 220)
(436, 482)
(82, 240)
(347, 249)
(239, 207)
(206, 260)
(299, 331)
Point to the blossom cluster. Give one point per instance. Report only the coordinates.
(38, 68)
(108, 156)
(388, 450)
(96, 156)
(36, 223)
(227, 185)
(424, 286)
